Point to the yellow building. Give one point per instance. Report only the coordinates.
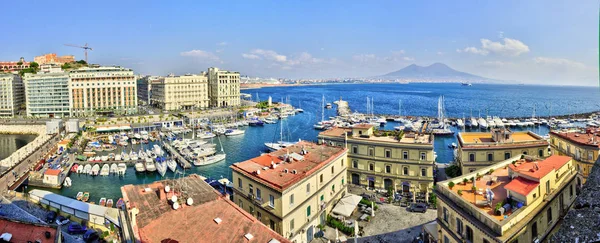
(481, 149)
(102, 90)
(516, 200)
(292, 190)
(583, 146)
(379, 161)
(181, 92)
(224, 88)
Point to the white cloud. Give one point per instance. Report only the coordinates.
(558, 62)
(364, 57)
(501, 34)
(495, 63)
(268, 55)
(440, 53)
(250, 56)
(222, 43)
(398, 53)
(509, 47)
(200, 54)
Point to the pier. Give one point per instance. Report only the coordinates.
(178, 158)
(343, 109)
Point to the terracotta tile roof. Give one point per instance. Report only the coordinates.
(52, 172)
(363, 126)
(522, 186)
(23, 232)
(588, 138)
(316, 156)
(546, 166)
(158, 222)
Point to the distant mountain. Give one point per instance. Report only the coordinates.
(436, 71)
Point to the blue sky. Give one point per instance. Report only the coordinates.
(544, 42)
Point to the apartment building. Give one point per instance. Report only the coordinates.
(47, 94)
(181, 92)
(11, 94)
(292, 190)
(144, 88)
(582, 145)
(224, 88)
(521, 199)
(481, 149)
(376, 160)
(102, 90)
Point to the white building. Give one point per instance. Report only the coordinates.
(47, 94)
(11, 94)
(54, 126)
(72, 126)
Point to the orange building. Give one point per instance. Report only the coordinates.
(52, 58)
(14, 66)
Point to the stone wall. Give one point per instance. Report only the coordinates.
(582, 222)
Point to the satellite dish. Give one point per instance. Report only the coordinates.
(167, 189)
(175, 206)
(190, 201)
(174, 199)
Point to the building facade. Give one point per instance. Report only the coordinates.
(292, 190)
(51, 58)
(516, 200)
(102, 90)
(481, 149)
(224, 88)
(181, 92)
(11, 94)
(9, 67)
(379, 161)
(144, 89)
(47, 94)
(581, 145)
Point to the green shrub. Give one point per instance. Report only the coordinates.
(331, 221)
(491, 171)
(368, 203)
(450, 185)
(474, 188)
(460, 192)
(453, 171)
(465, 181)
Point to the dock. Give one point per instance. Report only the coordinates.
(343, 109)
(178, 157)
(128, 162)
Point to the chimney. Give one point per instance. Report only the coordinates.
(161, 194)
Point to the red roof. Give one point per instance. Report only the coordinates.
(23, 232)
(362, 126)
(52, 172)
(521, 185)
(316, 157)
(546, 166)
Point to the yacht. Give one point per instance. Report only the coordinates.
(206, 135)
(161, 166)
(459, 123)
(474, 122)
(139, 167)
(122, 168)
(172, 165)
(234, 132)
(210, 159)
(87, 169)
(105, 170)
(149, 164)
(95, 170)
(114, 169)
(482, 123)
(157, 150)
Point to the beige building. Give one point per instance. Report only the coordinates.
(380, 161)
(481, 149)
(292, 190)
(11, 94)
(181, 92)
(102, 90)
(224, 88)
(582, 146)
(516, 200)
(52, 58)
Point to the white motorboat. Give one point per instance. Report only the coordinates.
(234, 132)
(149, 164)
(278, 145)
(87, 169)
(139, 167)
(206, 135)
(133, 156)
(118, 157)
(67, 182)
(114, 169)
(137, 136)
(122, 168)
(161, 167)
(474, 122)
(150, 154)
(210, 159)
(104, 158)
(172, 165)
(79, 169)
(105, 170)
(95, 170)
(482, 123)
(460, 123)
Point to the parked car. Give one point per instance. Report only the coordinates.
(51, 216)
(418, 207)
(91, 236)
(60, 220)
(76, 229)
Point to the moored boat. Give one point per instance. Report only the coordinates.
(121, 168)
(114, 169)
(139, 167)
(86, 197)
(109, 203)
(150, 167)
(95, 170)
(102, 202)
(120, 203)
(172, 165)
(79, 196)
(105, 170)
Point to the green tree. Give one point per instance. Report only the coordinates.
(82, 62)
(19, 63)
(34, 65)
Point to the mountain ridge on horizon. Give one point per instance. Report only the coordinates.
(434, 71)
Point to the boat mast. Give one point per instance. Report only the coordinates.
(323, 109)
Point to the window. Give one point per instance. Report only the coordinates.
(423, 172)
(240, 185)
(322, 197)
(590, 155)
(258, 196)
(548, 187)
(541, 153)
(250, 189)
(405, 155)
(534, 195)
(272, 224)
(388, 153)
(469, 234)
(332, 169)
(321, 178)
(354, 150)
(342, 163)
(534, 232)
(292, 200)
(258, 215)
(342, 181)
(490, 157)
(333, 188)
(507, 155)
(308, 188)
(371, 152)
(459, 226)
(371, 166)
(355, 163)
(549, 216)
(308, 211)
(271, 201)
(423, 156)
(571, 190)
(405, 171)
(241, 203)
(291, 224)
(471, 157)
(251, 210)
(446, 240)
(486, 241)
(445, 212)
(388, 169)
(524, 152)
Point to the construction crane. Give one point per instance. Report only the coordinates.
(85, 49)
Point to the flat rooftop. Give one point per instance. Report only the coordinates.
(408, 138)
(485, 139)
(23, 232)
(304, 163)
(211, 218)
(587, 138)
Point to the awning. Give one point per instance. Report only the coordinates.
(431, 229)
(346, 205)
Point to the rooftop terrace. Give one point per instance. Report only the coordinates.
(409, 138)
(591, 137)
(24, 232)
(500, 139)
(306, 159)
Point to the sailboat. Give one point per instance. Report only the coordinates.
(321, 125)
(161, 166)
(171, 164)
(442, 127)
(279, 144)
(211, 159)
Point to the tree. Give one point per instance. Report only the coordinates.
(34, 65)
(82, 62)
(19, 63)
(450, 185)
